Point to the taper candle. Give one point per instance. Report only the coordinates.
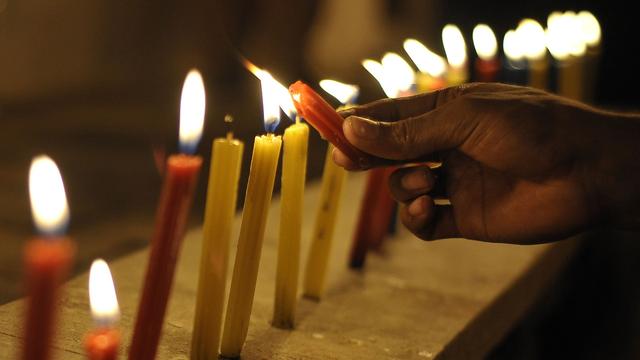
(294, 169)
(456, 50)
(431, 65)
(487, 65)
(514, 64)
(264, 162)
(218, 221)
(173, 211)
(47, 258)
(102, 343)
(531, 36)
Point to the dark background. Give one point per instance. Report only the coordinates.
(96, 84)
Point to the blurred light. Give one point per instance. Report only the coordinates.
(377, 71)
(512, 46)
(192, 109)
(102, 294)
(427, 61)
(589, 28)
(49, 206)
(484, 40)
(531, 35)
(454, 46)
(271, 98)
(345, 93)
(398, 72)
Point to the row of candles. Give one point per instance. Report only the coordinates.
(48, 256)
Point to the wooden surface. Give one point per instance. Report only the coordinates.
(416, 300)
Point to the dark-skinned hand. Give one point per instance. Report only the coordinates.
(519, 165)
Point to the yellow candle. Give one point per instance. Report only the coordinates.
(220, 209)
(332, 179)
(294, 168)
(539, 73)
(264, 161)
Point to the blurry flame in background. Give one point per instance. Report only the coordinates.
(427, 61)
(345, 93)
(49, 206)
(589, 28)
(192, 110)
(282, 93)
(564, 35)
(512, 46)
(102, 294)
(485, 42)
(377, 71)
(398, 72)
(532, 37)
(454, 46)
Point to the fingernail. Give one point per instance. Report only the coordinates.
(363, 128)
(418, 207)
(415, 180)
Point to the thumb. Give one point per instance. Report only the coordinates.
(413, 138)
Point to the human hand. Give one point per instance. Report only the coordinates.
(519, 165)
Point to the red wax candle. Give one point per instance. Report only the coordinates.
(376, 212)
(102, 344)
(313, 108)
(180, 180)
(487, 70)
(173, 210)
(47, 263)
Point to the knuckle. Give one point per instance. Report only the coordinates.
(402, 137)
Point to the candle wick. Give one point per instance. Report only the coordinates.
(228, 120)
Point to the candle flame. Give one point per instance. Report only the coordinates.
(485, 42)
(49, 206)
(589, 28)
(564, 37)
(192, 109)
(270, 101)
(377, 71)
(427, 61)
(454, 46)
(345, 93)
(398, 72)
(284, 97)
(102, 294)
(512, 46)
(531, 35)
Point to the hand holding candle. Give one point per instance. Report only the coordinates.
(47, 258)
(102, 343)
(173, 211)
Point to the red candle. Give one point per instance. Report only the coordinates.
(47, 258)
(487, 70)
(313, 108)
(102, 343)
(173, 210)
(486, 65)
(376, 212)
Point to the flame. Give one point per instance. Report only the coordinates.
(589, 28)
(345, 93)
(48, 199)
(531, 35)
(512, 46)
(270, 101)
(564, 36)
(454, 46)
(192, 108)
(427, 61)
(484, 40)
(284, 97)
(102, 294)
(377, 70)
(398, 72)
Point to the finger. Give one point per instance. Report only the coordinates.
(410, 182)
(444, 128)
(344, 161)
(428, 221)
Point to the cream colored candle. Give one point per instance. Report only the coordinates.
(218, 221)
(331, 189)
(294, 168)
(264, 162)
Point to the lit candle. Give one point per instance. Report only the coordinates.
(102, 343)
(431, 65)
(218, 221)
(393, 73)
(531, 36)
(264, 162)
(515, 69)
(456, 51)
(591, 35)
(487, 64)
(173, 211)
(330, 191)
(47, 257)
(568, 48)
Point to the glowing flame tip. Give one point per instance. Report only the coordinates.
(49, 206)
(192, 110)
(102, 294)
